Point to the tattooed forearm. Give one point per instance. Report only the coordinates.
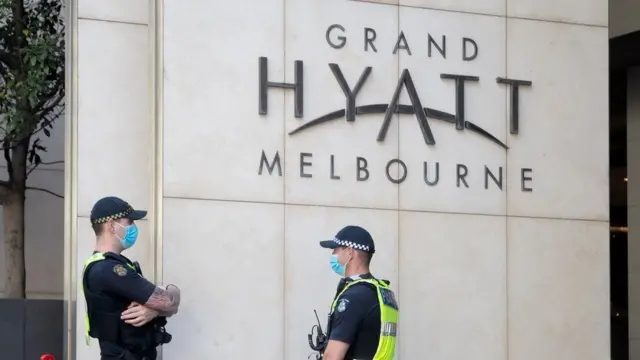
(165, 301)
(175, 292)
(165, 314)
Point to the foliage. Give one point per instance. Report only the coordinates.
(32, 54)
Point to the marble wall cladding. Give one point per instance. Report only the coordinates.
(476, 49)
(131, 11)
(634, 290)
(211, 108)
(452, 271)
(114, 141)
(114, 128)
(388, 2)
(492, 7)
(634, 348)
(301, 149)
(587, 12)
(563, 121)
(229, 263)
(633, 210)
(558, 289)
(316, 156)
(633, 107)
(470, 261)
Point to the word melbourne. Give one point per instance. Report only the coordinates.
(421, 113)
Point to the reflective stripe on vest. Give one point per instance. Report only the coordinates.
(388, 317)
(94, 258)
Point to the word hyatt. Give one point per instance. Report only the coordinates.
(396, 170)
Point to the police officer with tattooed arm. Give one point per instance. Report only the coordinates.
(125, 312)
(364, 314)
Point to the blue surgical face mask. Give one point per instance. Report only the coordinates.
(130, 235)
(336, 266)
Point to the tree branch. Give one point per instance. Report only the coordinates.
(44, 190)
(17, 142)
(52, 162)
(44, 163)
(57, 87)
(44, 110)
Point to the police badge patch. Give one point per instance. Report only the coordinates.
(342, 305)
(120, 270)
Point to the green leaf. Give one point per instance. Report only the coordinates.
(39, 79)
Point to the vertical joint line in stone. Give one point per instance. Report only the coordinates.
(398, 122)
(71, 184)
(284, 182)
(152, 119)
(506, 191)
(157, 56)
(284, 100)
(398, 213)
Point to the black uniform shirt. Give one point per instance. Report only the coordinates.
(356, 320)
(114, 278)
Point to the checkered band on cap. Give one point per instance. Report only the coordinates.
(351, 244)
(115, 216)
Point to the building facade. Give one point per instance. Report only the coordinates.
(469, 138)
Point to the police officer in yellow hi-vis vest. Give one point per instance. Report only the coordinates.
(125, 312)
(364, 313)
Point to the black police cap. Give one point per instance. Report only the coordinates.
(351, 236)
(114, 208)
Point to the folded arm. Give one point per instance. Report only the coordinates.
(117, 278)
(165, 301)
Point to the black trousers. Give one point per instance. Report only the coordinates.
(149, 355)
(127, 358)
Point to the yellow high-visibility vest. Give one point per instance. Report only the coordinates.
(388, 317)
(94, 258)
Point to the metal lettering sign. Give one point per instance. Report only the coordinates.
(423, 114)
